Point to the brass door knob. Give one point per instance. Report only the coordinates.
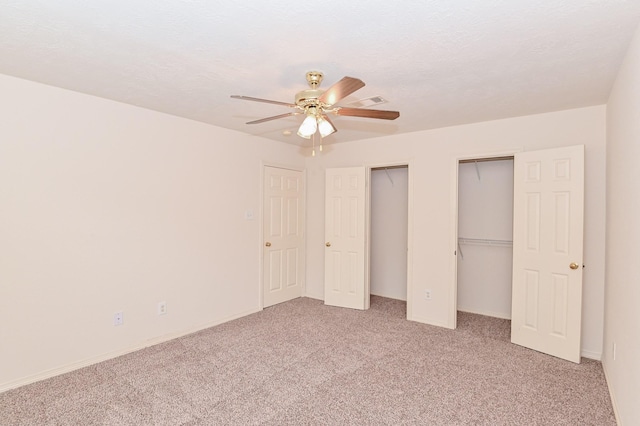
(268, 244)
(327, 244)
(573, 265)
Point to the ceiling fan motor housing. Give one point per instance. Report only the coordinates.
(308, 97)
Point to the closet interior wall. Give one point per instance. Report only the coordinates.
(389, 224)
(485, 229)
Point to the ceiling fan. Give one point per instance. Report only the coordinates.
(316, 104)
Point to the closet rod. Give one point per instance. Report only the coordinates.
(485, 242)
(475, 160)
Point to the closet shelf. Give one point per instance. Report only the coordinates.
(485, 242)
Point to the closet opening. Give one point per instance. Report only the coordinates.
(485, 237)
(388, 231)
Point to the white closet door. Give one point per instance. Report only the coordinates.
(547, 251)
(345, 238)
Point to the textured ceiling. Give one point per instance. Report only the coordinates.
(439, 63)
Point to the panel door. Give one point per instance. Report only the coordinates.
(547, 251)
(345, 238)
(283, 261)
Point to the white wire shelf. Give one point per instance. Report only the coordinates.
(485, 242)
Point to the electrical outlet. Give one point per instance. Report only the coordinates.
(162, 308)
(427, 294)
(118, 318)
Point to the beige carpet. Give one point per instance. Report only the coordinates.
(303, 363)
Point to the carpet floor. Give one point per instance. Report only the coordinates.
(304, 363)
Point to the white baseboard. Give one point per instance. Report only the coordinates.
(94, 360)
(485, 313)
(314, 296)
(389, 296)
(612, 395)
(591, 354)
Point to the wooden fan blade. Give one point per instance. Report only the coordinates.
(368, 113)
(275, 117)
(266, 101)
(341, 89)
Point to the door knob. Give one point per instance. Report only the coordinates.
(268, 244)
(327, 244)
(573, 265)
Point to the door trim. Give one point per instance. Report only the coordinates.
(410, 167)
(452, 320)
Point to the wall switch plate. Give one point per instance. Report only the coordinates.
(162, 308)
(118, 318)
(248, 215)
(614, 351)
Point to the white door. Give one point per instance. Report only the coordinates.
(345, 229)
(283, 261)
(547, 251)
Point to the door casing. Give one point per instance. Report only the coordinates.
(453, 288)
(368, 168)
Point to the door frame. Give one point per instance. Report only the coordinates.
(263, 165)
(453, 288)
(368, 167)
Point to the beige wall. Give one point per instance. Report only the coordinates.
(622, 311)
(108, 207)
(431, 156)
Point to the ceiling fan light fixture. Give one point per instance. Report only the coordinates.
(308, 127)
(325, 127)
(315, 104)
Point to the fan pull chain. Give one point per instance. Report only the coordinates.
(313, 145)
(313, 141)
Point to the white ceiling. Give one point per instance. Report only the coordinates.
(439, 63)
